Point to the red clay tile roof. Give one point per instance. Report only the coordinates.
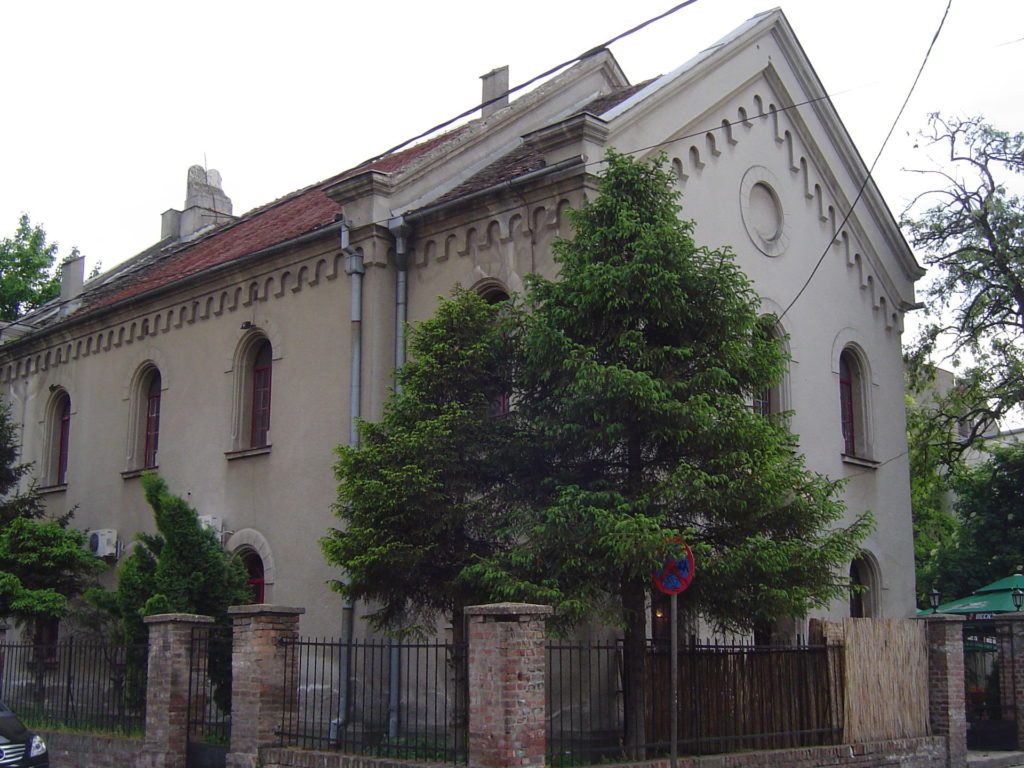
(291, 216)
(521, 160)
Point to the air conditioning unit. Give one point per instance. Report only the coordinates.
(214, 522)
(102, 542)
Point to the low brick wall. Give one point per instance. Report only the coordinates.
(926, 752)
(86, 750)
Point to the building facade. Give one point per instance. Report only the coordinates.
(234, 354)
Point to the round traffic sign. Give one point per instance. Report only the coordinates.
(677, 573)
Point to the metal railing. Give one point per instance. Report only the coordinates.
(384, 699)
(731, 697)
(75, 684)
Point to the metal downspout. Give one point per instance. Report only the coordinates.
(355, 269)
(400, 229)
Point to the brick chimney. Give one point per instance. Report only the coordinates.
(495, 84)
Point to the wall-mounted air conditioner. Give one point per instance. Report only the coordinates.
(102, 542)
(214, 522)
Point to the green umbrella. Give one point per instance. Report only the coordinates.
(996, 597)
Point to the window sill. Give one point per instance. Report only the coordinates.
(861, 462)
(130, 474)
(45, 489)
(245, 453)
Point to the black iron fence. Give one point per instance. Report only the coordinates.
(209, 695)
(990, 681)
(91, 686)
(730, 698)
(385, 699)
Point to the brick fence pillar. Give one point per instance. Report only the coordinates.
(261, 688)
(1010, 636)
(170, 645)
(506, 685)
(946, 694)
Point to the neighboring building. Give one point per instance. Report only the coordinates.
(234, 354)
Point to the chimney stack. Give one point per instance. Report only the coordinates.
(205, 205)
(495, 85)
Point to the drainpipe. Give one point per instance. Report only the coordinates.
(355, 269)
(400, 230)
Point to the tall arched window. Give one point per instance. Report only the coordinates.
(151, 420)
(770, 400)
(863, 588)
(851, 405)
(59, 437)
(253, 564)
(259, 432)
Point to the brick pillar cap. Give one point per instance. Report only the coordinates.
(265, 608)
(939, 617)
(509, 609)
(177, 618)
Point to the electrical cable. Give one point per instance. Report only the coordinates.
(587, 54)
(868, 177)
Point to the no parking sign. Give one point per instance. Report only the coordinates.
(677, 573)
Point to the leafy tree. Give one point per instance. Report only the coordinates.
(935, 526)
(43, 562)
(990, 508)
(971, 233)
(26, 270)
(421, 495)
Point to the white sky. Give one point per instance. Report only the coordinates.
(108, 103)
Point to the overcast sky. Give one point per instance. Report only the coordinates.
(107, 104)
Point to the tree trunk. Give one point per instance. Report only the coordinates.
(634, 608)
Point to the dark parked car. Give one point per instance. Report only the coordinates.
(18, 745)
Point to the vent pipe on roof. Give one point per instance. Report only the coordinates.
(495, 88)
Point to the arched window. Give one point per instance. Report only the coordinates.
(253, 564)
(770, 400)
(494, 294)
(851, 405)
(863, 588)
(259, 432)
(151, 420)
(59, 436)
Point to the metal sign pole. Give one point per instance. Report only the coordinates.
(674, 667)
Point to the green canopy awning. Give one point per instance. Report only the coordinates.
(996, 597)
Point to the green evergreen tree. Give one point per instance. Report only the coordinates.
(181, 569)
(421, 495)
(629, 423)
(639, 365)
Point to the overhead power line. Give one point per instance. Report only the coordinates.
(558, 67)
(868, 177)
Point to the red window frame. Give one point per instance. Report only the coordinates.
(152, 422)
(63, 441)
(261, 384)
(253, 564)
(846, 411)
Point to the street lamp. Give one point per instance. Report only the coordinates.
(1018, 597)
(935, 597)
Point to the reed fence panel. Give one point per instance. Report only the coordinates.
(886, 673)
